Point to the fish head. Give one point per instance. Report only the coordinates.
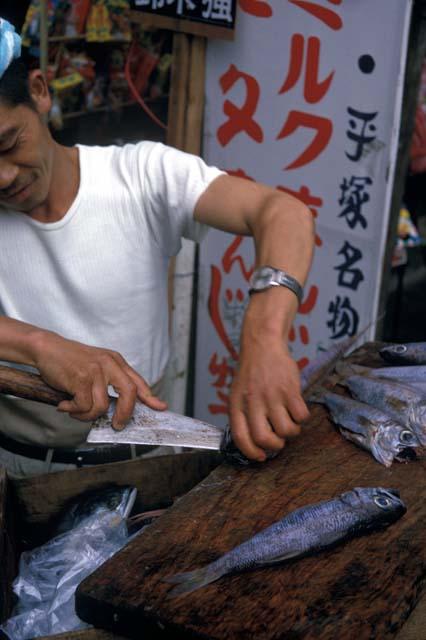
(391, 440)
(376, 505)
(114, 499)
(394, 353)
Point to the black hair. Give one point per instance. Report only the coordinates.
(14, 86)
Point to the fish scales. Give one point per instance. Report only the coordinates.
(305, 530)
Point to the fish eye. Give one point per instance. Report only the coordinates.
(406, 436)
(382, 501)
(400, 348)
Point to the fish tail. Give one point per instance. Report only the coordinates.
(193, 580)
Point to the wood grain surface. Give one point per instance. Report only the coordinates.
(363, 589)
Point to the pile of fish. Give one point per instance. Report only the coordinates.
(387, 412)
(302, 532)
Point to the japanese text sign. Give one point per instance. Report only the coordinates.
(307, 100)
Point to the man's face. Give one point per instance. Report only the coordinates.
(25, 158)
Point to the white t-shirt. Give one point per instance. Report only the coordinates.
(99, 275)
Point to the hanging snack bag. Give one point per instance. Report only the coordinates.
(98, 26)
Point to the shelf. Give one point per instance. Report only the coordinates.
(105, 107)
(83, 37)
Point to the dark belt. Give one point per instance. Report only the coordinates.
(82, 456)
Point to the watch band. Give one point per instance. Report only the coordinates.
(266, 277)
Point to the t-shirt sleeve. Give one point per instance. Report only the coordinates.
(171, 183)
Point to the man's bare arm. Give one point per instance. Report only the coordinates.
(266, 405)
(83, 371)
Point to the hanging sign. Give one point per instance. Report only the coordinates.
(307, 100)
(208, 18)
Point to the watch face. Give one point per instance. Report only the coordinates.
(262, 278)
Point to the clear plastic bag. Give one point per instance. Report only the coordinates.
(49, 575)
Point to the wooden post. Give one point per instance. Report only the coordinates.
(186, 105)
(415, 56)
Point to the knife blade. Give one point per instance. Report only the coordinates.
(157, 427)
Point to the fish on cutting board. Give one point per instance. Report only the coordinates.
(301, 532)
(369, 428)
(402, 402)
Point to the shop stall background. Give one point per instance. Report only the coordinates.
(108, 78)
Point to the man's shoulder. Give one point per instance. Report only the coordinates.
(129, 148)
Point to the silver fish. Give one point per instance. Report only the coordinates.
(370, 428)
(405, 404)
(110, 498)
(409, 353)
(304, 531)
(414, 376)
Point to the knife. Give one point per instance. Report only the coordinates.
(164, 427)
(145, 427)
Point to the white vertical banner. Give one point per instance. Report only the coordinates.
(306, 99)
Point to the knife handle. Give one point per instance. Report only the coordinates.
(233, 455)
(29, 386)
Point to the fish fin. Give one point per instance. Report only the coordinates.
(277, 559)
(327, 361)
(353, 436)
(348, 369)
(192, 580)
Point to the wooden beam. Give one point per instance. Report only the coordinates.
(151, 21)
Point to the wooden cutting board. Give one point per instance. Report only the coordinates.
(363, 589)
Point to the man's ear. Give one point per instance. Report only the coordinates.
(39, 91)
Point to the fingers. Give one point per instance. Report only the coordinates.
(91, 398)
(262, 422)
(282, 424)
(242, 437)
(297, 408)
(90, 401)
(145, 394)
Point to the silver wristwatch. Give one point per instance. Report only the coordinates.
(266, 277)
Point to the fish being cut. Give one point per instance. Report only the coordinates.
(402, 402)
(302, 532)
(409, 353)
(369, 428)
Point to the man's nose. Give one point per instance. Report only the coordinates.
(8, 174)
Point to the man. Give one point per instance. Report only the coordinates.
(86, 236)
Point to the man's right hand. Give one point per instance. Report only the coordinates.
(85, 373)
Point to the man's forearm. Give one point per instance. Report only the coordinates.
(19, 341)
(284, 239)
